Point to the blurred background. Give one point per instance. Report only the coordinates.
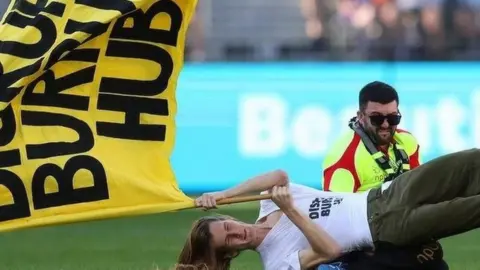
(335, 30)
(270, 84)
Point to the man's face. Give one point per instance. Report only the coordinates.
(380, 120)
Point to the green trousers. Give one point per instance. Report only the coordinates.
(438, 199)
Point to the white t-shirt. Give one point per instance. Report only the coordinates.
(342, 215)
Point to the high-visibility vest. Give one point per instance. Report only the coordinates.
(392, 168)
(355, 164)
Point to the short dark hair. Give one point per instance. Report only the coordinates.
(377, 92)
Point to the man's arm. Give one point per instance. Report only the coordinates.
(323, 247)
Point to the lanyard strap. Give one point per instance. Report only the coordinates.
(392, 168)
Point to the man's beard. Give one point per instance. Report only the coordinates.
(383, 139)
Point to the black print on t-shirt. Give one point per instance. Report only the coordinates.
(322, 206)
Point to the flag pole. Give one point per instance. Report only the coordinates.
(242, 199)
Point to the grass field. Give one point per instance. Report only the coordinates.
(140, 243)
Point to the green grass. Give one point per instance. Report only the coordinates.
(140, 243)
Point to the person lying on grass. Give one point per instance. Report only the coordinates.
(301, 227)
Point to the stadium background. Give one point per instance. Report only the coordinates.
(264, 88)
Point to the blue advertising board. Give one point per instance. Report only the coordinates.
(238, 120)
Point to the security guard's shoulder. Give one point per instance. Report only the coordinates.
(407, 140)
(338, 148)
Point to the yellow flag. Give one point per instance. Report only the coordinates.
(87, 96)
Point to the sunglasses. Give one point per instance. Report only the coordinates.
(392, 119)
